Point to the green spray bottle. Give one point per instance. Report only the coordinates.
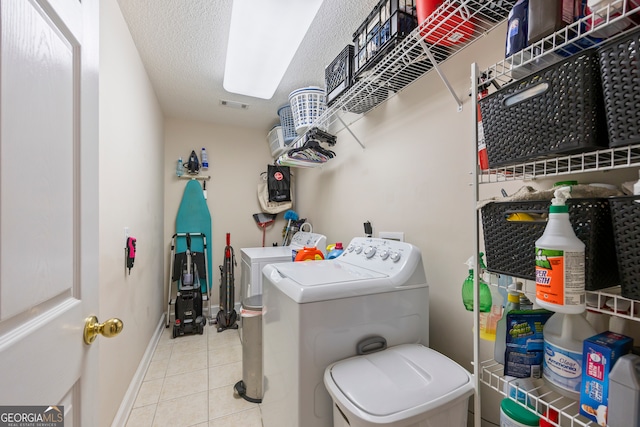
(467, 290)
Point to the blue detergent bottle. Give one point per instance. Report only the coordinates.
(336, 251)
(517, 28)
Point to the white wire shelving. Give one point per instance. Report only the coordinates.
(541, 54)
(592, 161)
(411, 58)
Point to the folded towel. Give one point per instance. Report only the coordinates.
(527, 193)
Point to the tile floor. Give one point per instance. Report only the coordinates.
(190, 383)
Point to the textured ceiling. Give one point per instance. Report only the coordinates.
(183, 46)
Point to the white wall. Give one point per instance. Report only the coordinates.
(131, 195)
(236, 158)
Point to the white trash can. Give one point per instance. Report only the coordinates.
(402, 386)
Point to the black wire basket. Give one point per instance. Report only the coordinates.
(620, 69)
(556, 111)
(625, 214)
(510, 245)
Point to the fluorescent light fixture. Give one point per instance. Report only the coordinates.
(264, 36)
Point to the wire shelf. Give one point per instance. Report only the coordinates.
(540, 398)
(413, 57)
(563, 43)
(593, 161)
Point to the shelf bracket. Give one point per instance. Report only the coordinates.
(444, 79)
(349, 130)
(200, 177)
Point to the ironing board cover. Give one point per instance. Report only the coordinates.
(194, 217)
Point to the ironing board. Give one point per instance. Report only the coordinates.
(194, 217)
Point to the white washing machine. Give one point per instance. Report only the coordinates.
(254, 259)
(315, 313)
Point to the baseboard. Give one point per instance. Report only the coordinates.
(136, 382)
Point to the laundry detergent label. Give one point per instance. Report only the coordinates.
(560, 277)
(562, 367)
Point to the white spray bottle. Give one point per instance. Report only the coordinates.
(560, 261)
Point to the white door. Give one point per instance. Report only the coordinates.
(49, 204)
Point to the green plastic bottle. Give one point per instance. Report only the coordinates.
(467, 291)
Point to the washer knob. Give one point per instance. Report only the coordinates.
(384, 254)
(395, 256)
(358, 249)
(350, 248)
(370, 252)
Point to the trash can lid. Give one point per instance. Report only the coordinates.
(253, 302)
(409, 378)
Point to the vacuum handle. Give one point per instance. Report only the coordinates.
(371, 345)
(228, 239)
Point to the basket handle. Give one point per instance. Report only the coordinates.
(526, 94)
(534, 216)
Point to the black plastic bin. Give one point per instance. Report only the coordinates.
(510, 245)
(387, 24)
(620, 69)
(555, 111)
(625, 214)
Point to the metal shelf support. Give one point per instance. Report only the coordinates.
(444, 79)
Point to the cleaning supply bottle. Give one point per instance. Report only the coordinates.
(336, 251)
(467, 291)
(180, 167)
(309, 254)
(489, 321)
(204, 159)
(562, 362)
(517, 28)
(513, 303)
(560, 261)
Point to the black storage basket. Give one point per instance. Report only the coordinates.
(620, 68)
(387, 24)
(558, 110)
(625, 214)
(338, 76)
(510, 245)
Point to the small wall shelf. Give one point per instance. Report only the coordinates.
(198, 177)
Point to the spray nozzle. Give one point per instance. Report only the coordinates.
(470, 262)
(558, 203)
(560, 196)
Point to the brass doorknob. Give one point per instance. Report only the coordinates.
(92, 328)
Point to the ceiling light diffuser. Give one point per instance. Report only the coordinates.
(263, 37)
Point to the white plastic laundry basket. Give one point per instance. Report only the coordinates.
(307, 105)
(276, 141)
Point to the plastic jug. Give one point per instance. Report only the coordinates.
(563, 338)
(624, 392)
(309, 254)
(517, 28)
(336, 251)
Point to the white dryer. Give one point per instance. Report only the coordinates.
(253, 260)
(316, 313)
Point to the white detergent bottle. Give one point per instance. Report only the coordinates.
(560, 261)
(513, 303)
(562, 363)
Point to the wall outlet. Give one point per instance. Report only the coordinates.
(392, 235)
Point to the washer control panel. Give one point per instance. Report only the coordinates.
(381, 255)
